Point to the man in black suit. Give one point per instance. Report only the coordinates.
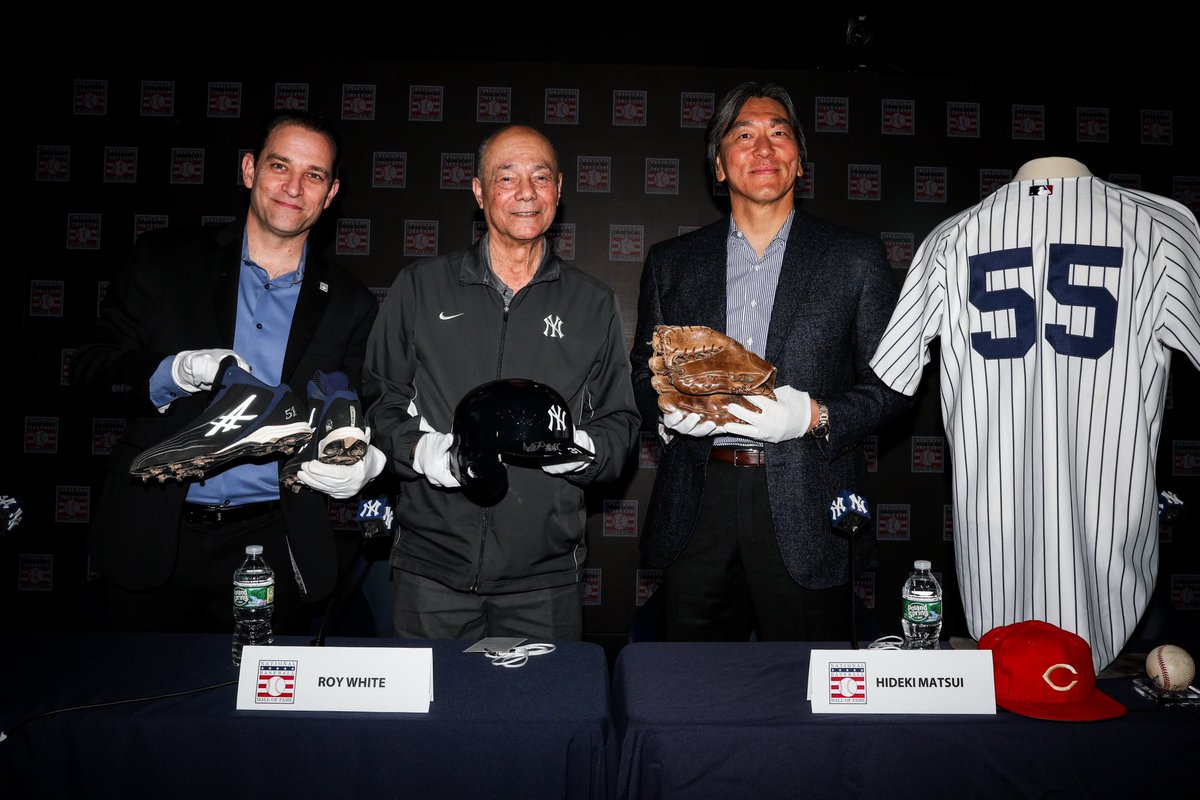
(738, 516)
(187, 299)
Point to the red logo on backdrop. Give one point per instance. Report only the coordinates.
(120, 165)
(358, 101)
(899, 117)
(947, 523)
(1158, 126)
(625, 242)
(864, 587)
(899, 248)
(493, 104)
(72, 504)
(806, 184)
(1129, 180)
(629, 107)
(148, 222)
(863, 181)
(105, 433)
(1185, 457)
(187, 165)
(871, 453)
(649, 450)
(928, 454)
(1185, 592)
(224, 99)
(216, 219)
(101, 293)
(929, 185)
(620, 517)
(64, 366)
(992, 179)
(592, 174)
(648, 581)
(45, 298)
(562, 107)
(53, 163)
(662, 176)
(696, 109)
(91, 97)
(389, 170)
(291, 97)
(591, 586)
(832, 115)
(562, 239)
(380, 292)
(1091, 124)
(1186, 189)
(420, 237)
(83, 231)
(457, 170)
(41, 434)
(1028, 122)
(158, 98)
(353, 237)
(962, 120)
(342, 515)
(478, 229)
(425, 104)
(892, 522)
(35, 572)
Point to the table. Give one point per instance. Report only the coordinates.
(542, 730)
(732, 721)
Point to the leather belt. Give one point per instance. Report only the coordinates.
(739, 456)
(226, 515)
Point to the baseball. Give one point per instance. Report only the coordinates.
(1170, 667)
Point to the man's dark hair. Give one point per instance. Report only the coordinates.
(307, 121)
(731, 105)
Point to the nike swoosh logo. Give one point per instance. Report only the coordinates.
(452, 316)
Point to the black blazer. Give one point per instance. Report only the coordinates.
(834, 299)
(179, 292)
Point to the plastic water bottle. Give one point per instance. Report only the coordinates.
(253, 602)
(921, 609)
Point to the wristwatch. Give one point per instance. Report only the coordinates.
(821, 429)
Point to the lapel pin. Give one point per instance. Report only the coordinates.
(324, 287)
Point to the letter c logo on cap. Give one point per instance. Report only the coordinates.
(1050, 670)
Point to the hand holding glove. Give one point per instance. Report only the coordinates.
(584, 441)
(690, 424)
(341, 481)
(788, 416)
(195, 370)
(431, 458)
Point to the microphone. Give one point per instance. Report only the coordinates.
(1170, 508)
(847, 513)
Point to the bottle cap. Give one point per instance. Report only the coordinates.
(916, 564)
(256, 550)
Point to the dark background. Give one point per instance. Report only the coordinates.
(1126, 76)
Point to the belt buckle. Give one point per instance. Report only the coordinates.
(747, 457)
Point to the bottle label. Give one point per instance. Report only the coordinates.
(923, 613)
(253, 596)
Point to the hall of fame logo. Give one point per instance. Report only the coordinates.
(1028, 122)
(1091, 124)
(591, 586)
(291, 97)
(53, 163)
(1158, 126)
(696, 109)
(620, 518)
(864, 587)
(478, 229)
(848, 682)
(120, 164)
(871, 452)
(899, 248)
(962, 120)
(224, 99)
(647, 582)
(148, 222)
(106, 431)
(662, 176)
(649, 450)
(1127, 180)
(46, 298)
(456, 170)
(158, 99)
(343, 515)
(1185, 457)
(899, 117)
(380, 292)
(1186, 189)
(992, 179)
(276, 682)
(593, 174)
(625, 242)
(629, 107)
(928, 454)
(358, 101)
(187, 165)
(1185, 591)
(864, 181)
(41, 435)
(947, 522)
(35, 572)
(83, 231)
(562, 239)
(929, 184)
(389, 170)
(892, 522)
(806, 184)
(216, 219)
(353, 237)
(832, 115)
(562, 107)
(91, 97)
(72, 504)
(65, 357)
(420, 237)
(425, 103)
(493, 104)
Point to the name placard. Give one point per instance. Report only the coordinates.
(336, 679)
(902, 682)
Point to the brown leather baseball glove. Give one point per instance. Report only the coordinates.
(697, 369)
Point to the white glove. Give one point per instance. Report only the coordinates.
(341, 481)
(431, 458)
(689, 425)
(786, 417)
(195, 370)
(584, 441)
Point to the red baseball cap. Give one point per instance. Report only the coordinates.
(1045, 672)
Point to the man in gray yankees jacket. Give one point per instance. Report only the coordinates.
(738, 516)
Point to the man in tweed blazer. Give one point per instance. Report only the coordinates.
(738, 517)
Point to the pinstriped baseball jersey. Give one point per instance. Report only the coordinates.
(1054, 302)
